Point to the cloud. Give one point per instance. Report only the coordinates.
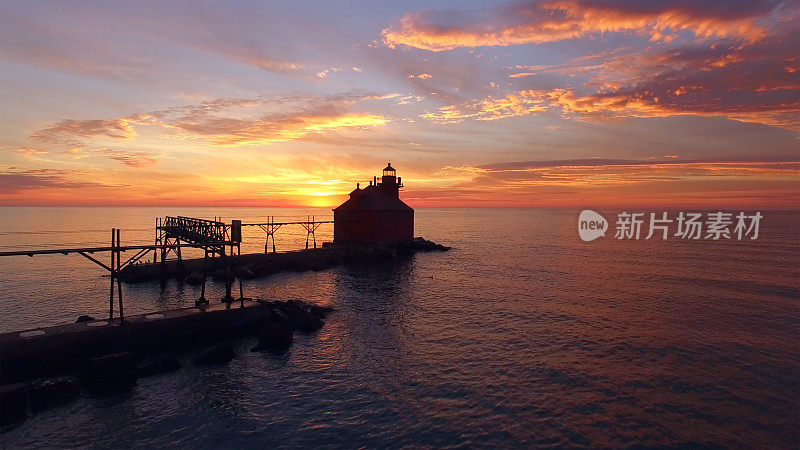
(295, 118)
(223, 122)
(616, 182)
(548, 21)
(618, 105)
(133, 159)
(753, 83)
(276, 127)
(143, 46)
(517, 104)
(114, 128)
(379, 96)
(28, 41)
(13, 182)
(756, 83)
(619, 183)
(28, 152)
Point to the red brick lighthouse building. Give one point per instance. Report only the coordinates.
(374, 214)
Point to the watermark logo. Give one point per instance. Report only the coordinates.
(591, 225)
(691, 225)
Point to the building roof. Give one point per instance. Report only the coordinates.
(389, 167)
(372, 198)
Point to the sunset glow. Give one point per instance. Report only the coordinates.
(523, 104)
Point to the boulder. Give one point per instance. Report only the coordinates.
(304, 317)
(309, 322)
(321, 311)
(276, 336)
(110, 373)
(195, 278)
(49, 392)
(222, 274)
(218, 354)
(13, 403)
(158, 364)
(296, 265)
(82, 319)
(245, 273)
(318, 265)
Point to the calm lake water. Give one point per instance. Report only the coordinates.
(520, 336)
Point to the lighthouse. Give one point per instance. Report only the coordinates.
(374, 214)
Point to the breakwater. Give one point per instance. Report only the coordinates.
(258, 265)
(47, 366)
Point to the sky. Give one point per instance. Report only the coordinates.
(575, 103)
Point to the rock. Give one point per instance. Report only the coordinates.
(266, 268)
(13, 403)
(195, 278)
(218, 354)
(157, 365)
(85, 319)
(321, 311)
(222, 274)
(280, 316)
(112, 372)
(296, 265)
(245, 273)
(309, 322)
(318, 265)
(335, 259)
(302, 316)
(276, 336)
(49, 392)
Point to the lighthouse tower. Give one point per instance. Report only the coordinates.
(374, 214)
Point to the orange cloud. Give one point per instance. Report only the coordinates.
(549, 21)
(619, 183)
(113, 128)
(228, 131)
(133, 159)
(517, 104)
(742, 82)
(245, 123)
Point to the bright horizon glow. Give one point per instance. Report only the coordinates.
(573, 104)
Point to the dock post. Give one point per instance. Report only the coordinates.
(111, 292)
(119, 284)
(155, 242)
(202, 300)
(241, 294)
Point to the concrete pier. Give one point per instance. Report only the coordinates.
(48, 351)
(265, 264)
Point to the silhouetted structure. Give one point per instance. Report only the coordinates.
(374, 214)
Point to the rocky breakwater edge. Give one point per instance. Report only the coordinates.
(104, 374)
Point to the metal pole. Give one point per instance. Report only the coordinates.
(155, 242)
(272, 228)
(119, 283)
(111, 292)
(241, 294)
